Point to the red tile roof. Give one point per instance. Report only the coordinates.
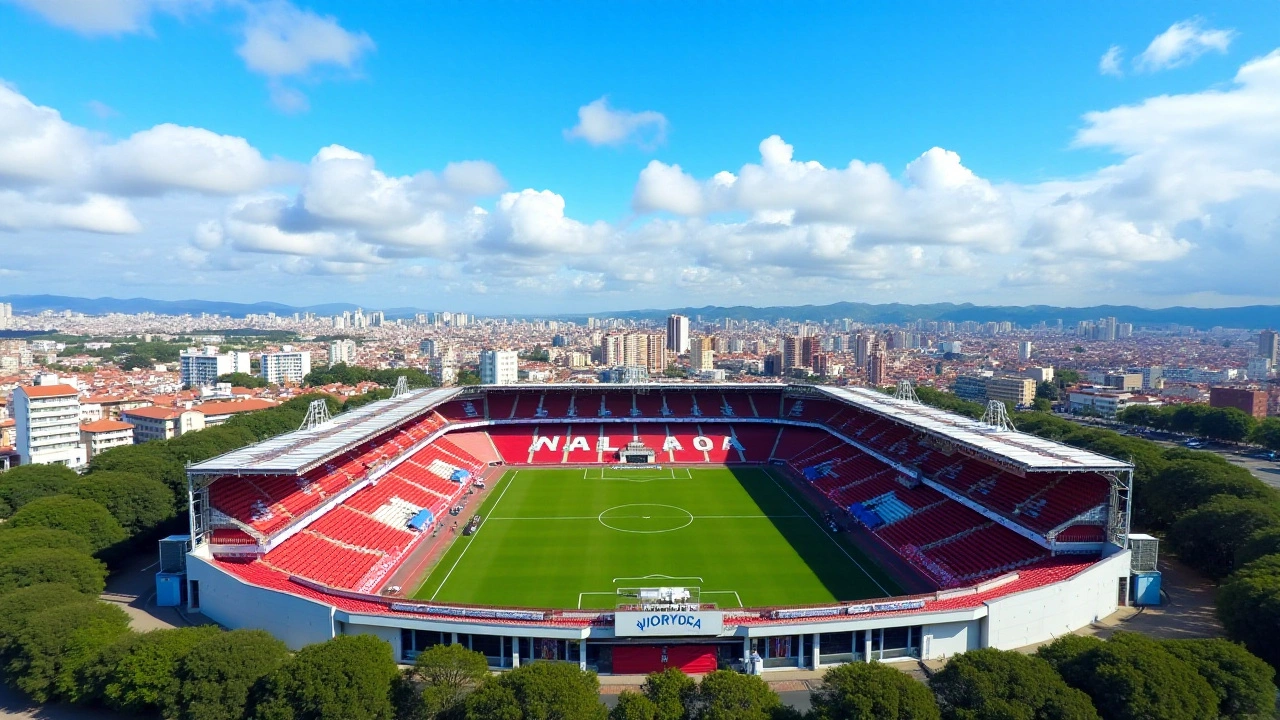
(154, 413)
(238, 406)
(47, 391)
(105, 426)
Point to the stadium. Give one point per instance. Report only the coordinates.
(628, 528)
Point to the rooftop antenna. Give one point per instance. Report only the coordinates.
(317, 415)
(997, 416)
(402, 387)
(905, 391)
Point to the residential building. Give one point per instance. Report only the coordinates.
(678, 334)
(499, 367)
(1269, 346)
(103, 435)
(286, 367)
(342, 351)
(202, 367)
(1039, 374)
(1017, 391)
(971, 387)
(877, 368)
(216, 413)
(158, 423)
(1252, 402)
(1106, 402)
(702, 354)
(47, 424)
(625, 374)
(1024, 350)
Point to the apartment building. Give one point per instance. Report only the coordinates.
(47, 420)
(101, 435)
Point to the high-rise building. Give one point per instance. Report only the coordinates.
(1253, 402)
(657, 352)
(678, 334)
(287, 366)
(201, 368)
(47, 417)
(877, 367)
(862, 348)
(702, 353)
(793, 353)
(6, 315)
(1024, 350)
(342, 351)
(499, 367)
(1269, 346)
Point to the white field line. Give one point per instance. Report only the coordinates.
(501, 495)
(734, 593)
(827, 533)
(636, 517)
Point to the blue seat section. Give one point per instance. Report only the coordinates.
(816, 472)
(865, 516)
(888, 507)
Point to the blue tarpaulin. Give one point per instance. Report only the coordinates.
(460, 476)
(421, 520)
(865, 516)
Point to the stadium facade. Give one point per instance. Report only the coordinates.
(1005, 538)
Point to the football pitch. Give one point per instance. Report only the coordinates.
(573, 537)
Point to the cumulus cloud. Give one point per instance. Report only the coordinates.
(1112, 61)
(600, 124)
(1181, 44)
(281, 39)
(107, 17)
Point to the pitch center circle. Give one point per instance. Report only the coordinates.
(645, 518)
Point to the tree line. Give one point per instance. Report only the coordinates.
(1226, 424)
(345, 374)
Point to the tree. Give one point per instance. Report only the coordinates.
(1041, 405)
(215, 677)
(726, 695)
(55, 642)
(84, 518)
(36, 566)
(633, 706)
(992, 684)
(1260, 544)
(25, 483)
(538, 691)
(1187, 484)
(871, 691)
(1047, 390)
(1132, 677)
(19, 605)
(1243, 682)
(670, 691)
(136, 674)
(244, 380)
(468, 377)
(1267, 433)
(1207, 538)
(1249, 607)
(1228, 424)
(448, 673)
(137, 502)
(347, 678)
(13, 539)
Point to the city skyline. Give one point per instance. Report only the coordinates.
(323, 152)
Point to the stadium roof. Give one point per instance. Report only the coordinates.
(302, 450)
(1027, 451)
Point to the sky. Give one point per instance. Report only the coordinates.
(525, 157)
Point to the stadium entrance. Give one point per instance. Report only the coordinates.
(636, 453)
(642, 659)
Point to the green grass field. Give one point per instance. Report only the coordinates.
(568, 538)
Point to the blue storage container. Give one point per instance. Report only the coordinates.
(169, 587)
(1146, 588)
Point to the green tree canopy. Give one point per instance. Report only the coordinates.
(1249, 606)
(448, 673)
(1260, 544)
(25, 483)
(18, 605)
(136, 674)
(55, 642)
(727, 695)
(1187, 484)
(1243, 682)
(633, 706)
(538, 691)
(244, 380)
(36, 566)
(84, 518)
(14, 539)
(670, 691)
(215, 677)
(347, 678)
(991, 684)
(1132, 677)
(1207, 538)
(1267, 433)
(136, 501)
(871, 691)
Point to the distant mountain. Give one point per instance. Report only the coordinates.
(1252, 316)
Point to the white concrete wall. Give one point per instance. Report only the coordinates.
(1043, 614)
(234, 604)
(947, 639)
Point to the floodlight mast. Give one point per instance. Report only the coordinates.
(997, 416)
(905, 391)
(402, 387)
(317, 414)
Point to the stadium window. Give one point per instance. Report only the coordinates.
(838, 647)
(780, 651)
(488, 645)
(899, 642)
(413, 642)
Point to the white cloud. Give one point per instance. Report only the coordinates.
(171, 157)
(600, 124)
(90, 213)
(107, 17)
(282, 40)
(1111, 61)
(1181, 44)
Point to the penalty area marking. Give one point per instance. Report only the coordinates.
(638, 475)
(510, 481)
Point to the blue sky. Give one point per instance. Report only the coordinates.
(192, 133)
